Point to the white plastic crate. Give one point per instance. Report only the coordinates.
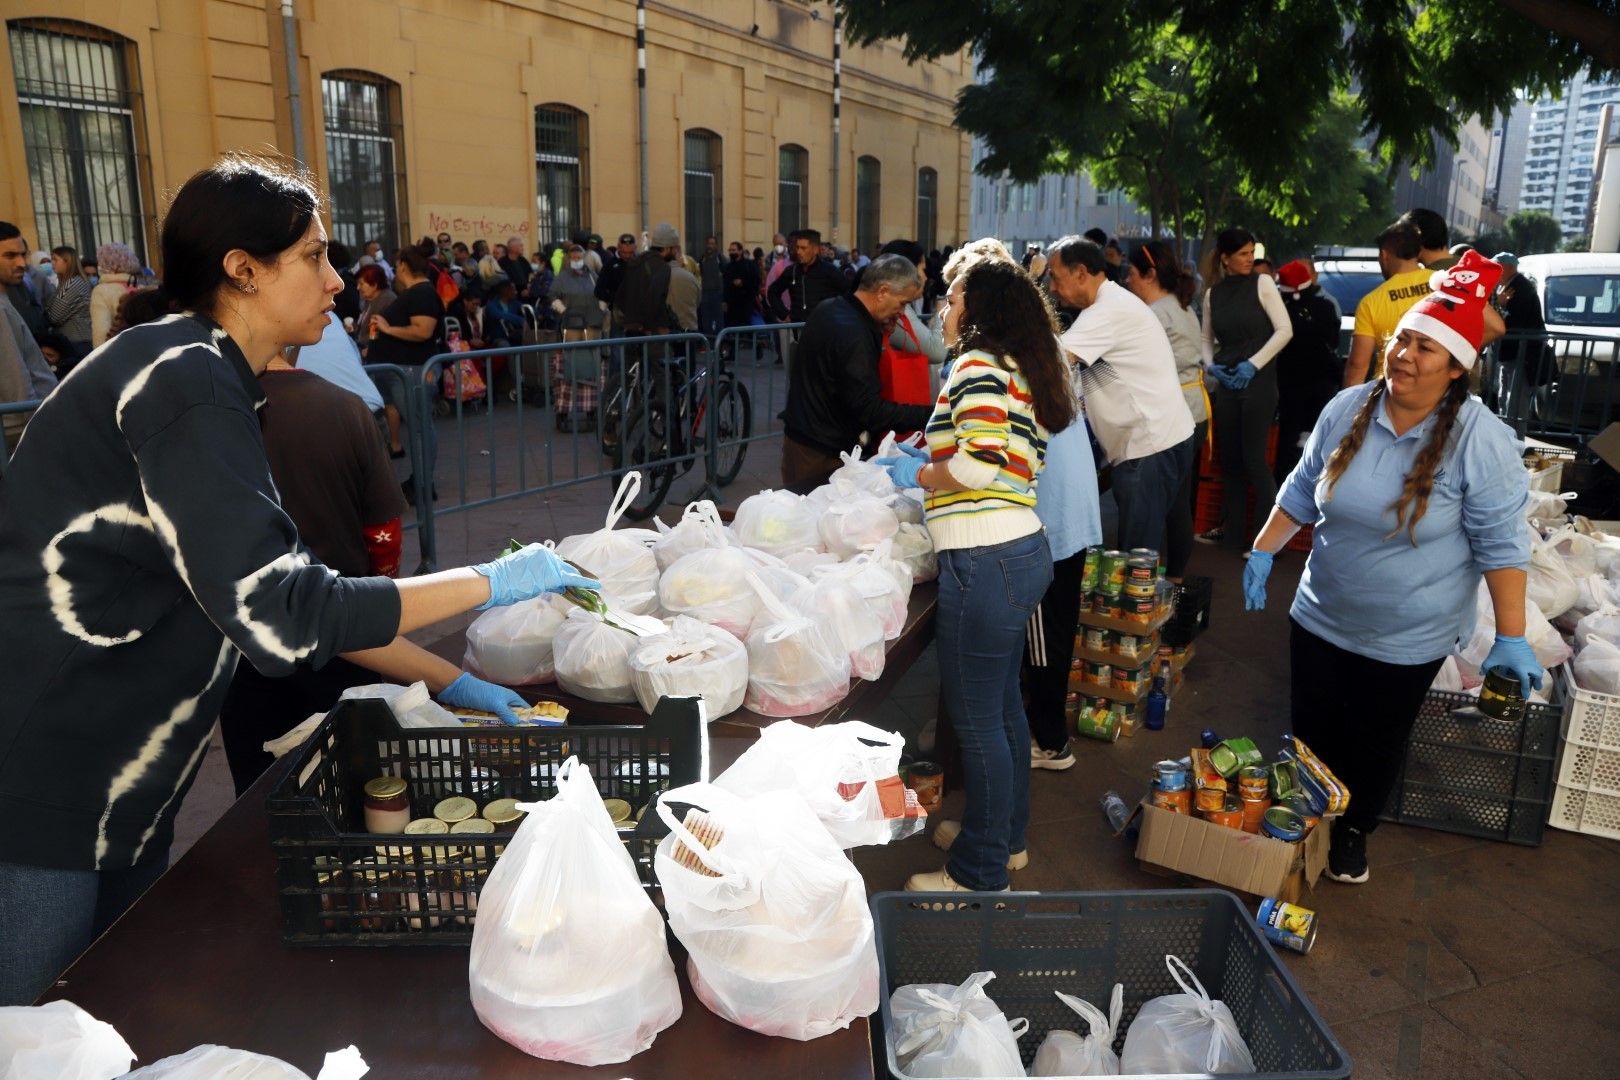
(1589, 812)
(1587, 796)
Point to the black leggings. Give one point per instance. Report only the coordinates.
(1355, 713)
(1242, 427)
(1178, 527)
(1048, 652)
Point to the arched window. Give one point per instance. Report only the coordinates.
(703, 181)
(868, 203)
(78, 90)
(792, 188)
(365, 159)
(562, 171)
(927, 208)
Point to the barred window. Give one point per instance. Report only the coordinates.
(927, 207)
(702, 188)
(868, 203)
(792, 185)
(79, 93)
(365, 159)
(562, 174)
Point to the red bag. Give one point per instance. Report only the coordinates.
(905, 377)
(472, 381)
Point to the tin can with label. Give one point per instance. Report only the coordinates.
(1150, 554)
(1177, 802)
(1127, 644)
(1288, 925)
(1229, 816)
(1098, 639)
(1097, 721)
(1089, 569)
(1140, 573)
(1131, 680)
(1284, 781)
(1499, 696)
(1211, 799)
(1254, 811)
(1111, 572)
(1281, 823)
(1106, 605)
(1233, 754)
(1138, 609)
(1254, 782)
(1170, 775)
(1099, 673)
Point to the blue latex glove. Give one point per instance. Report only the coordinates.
(1240, 375)
(1220, 375)
(1254, 580)
(904, 467)
(471, 692)
(525, 574)
(1515, 654)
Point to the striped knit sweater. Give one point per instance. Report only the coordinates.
(985, 432)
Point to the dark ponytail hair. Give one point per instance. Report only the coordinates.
(259, 205)
(414, 260)
(1227, 242)
(1005, 314)
(1159, 259)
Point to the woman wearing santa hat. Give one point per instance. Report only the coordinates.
(1415, 491)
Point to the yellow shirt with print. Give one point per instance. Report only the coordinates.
(1382, 308)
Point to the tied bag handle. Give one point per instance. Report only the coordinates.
(629, 488)
(1221, 1037)
(710, 858)
(1102, 1027)
(788, 622)
(948, 1011)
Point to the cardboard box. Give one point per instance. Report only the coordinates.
(1242, 861)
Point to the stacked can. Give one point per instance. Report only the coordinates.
(1099, 718)
(1254, 788)
(1132, 680)
(1106, 595)
(1098, 640)
(1170, 787)
(1230, 814)
(1088, 571)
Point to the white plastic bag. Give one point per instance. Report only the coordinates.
(1577, 550)
(593, 659)
(773, 916)
(209, 1062)
(411, 705)
(1551, 586)
(856, 525)
(914, 547)
(622, 560)
(908, 507)
(795, 665)
(838, 603)
(1597, 666)
(692, 660)
(711, 584)
(1067, 1053)
(1184, 1033)
(878, 582)
(1594, 592)
(1548, 645)
(1603, 624)
(569, 960)
(512, 645)
(1545, 507)
(695, 531)
(804, 563)
(867, 476)
(59, 1041)
(847, 773)
(777, 522)
(944, 1030)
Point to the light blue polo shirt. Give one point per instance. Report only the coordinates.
(1378, 595)
(336, 359)
(1066, 492)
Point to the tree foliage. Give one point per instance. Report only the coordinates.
(1534, 231)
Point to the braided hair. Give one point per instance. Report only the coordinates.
(1419, 483)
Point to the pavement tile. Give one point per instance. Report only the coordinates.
(1417, 1041)
(1567, 872)
(1559, 1022)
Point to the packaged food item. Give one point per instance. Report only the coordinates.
(513, 645)
(691, 660)
(621, 559)
(795, 664)
(777, 522)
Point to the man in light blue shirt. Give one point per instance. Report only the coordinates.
(336, 359)
(1066, 502)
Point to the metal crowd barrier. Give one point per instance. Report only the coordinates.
(11, 408)
(1549, 386)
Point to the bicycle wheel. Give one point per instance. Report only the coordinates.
(646, 439)
(733, 423)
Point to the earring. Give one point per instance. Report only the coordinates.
(247, 287)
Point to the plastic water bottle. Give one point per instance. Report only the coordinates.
(1118, 813)
(1158, 700)
(1209, 738)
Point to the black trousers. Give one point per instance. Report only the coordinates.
(1242, 429)
(1355, 713)
(1178, 527)
(258, 708)
(1049, 650)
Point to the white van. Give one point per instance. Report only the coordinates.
(1580, 291)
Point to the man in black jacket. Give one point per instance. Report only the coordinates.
(834, 397)
(1309, 368)
(810, 280)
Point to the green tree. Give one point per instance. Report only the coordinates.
(1577, 244)
(1534, 231)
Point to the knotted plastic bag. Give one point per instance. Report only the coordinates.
(622, 560)
(59, 1041)
(1188, 1032)
(847, 773)
(569, 960)
(850, 621)
(694, 532)
(209, 1062)
(858, 524)
(513, 644)
(773, 916)
(795, 664)
(1066, 1053)
(711, 584)
(867, 476)
(944, 1030)
(878, 581)
(691, 660)
(777, 522)
(593, 658)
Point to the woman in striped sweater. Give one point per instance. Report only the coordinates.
(1006, 393)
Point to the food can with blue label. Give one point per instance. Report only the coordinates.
(1288, 925)
(1281, 823)
(1170, 775)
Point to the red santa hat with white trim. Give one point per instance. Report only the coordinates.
(1454, 312)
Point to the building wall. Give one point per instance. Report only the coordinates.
(1559, 159)
(1469, 164)
(470, 73)
(1054, 206)
(1509, 141)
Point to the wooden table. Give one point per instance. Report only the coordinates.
(199, 959)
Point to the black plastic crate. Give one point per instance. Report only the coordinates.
(1469, 774)
(340, 885)
(1083, 943)
(1191, 616)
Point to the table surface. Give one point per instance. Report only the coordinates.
(199, 959)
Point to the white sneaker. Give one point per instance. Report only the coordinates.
(946, 832)
(1056, 760)
(941, 881)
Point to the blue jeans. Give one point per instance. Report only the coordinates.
(49, 916)
(986, 596)
(1145, 488)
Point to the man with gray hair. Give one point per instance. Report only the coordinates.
(516, 265)
(835, 399)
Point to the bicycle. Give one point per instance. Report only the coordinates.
(664, 431)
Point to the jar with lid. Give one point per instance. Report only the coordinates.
(503, 814)
(456, 809)
(388, 805)
(374, 891)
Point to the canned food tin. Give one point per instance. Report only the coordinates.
(1097, 721)
(1097, 639)
(1233, 754)
(1177, 802)
(1284, 781)
(1171, 775)
(1106, 605)
(1088, 570)
(1254, 812)
(1150, 554)
(1099, 673)
(1130, 680)
(1300, 805)
(1138, 609)
(1281, 823)
(1127, 644)
(1229, 816)
(1288, 925)
(1141, 570)
(1211, 799)
(1499, 696)
(1111, 572)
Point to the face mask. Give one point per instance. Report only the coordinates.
(781, 249)
(577, 264)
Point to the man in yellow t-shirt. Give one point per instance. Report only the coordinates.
(1406, 281)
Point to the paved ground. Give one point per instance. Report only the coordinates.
(1461, 958)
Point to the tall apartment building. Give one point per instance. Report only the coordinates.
(1559, 157)
(1465, 200)
(1510, 139)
